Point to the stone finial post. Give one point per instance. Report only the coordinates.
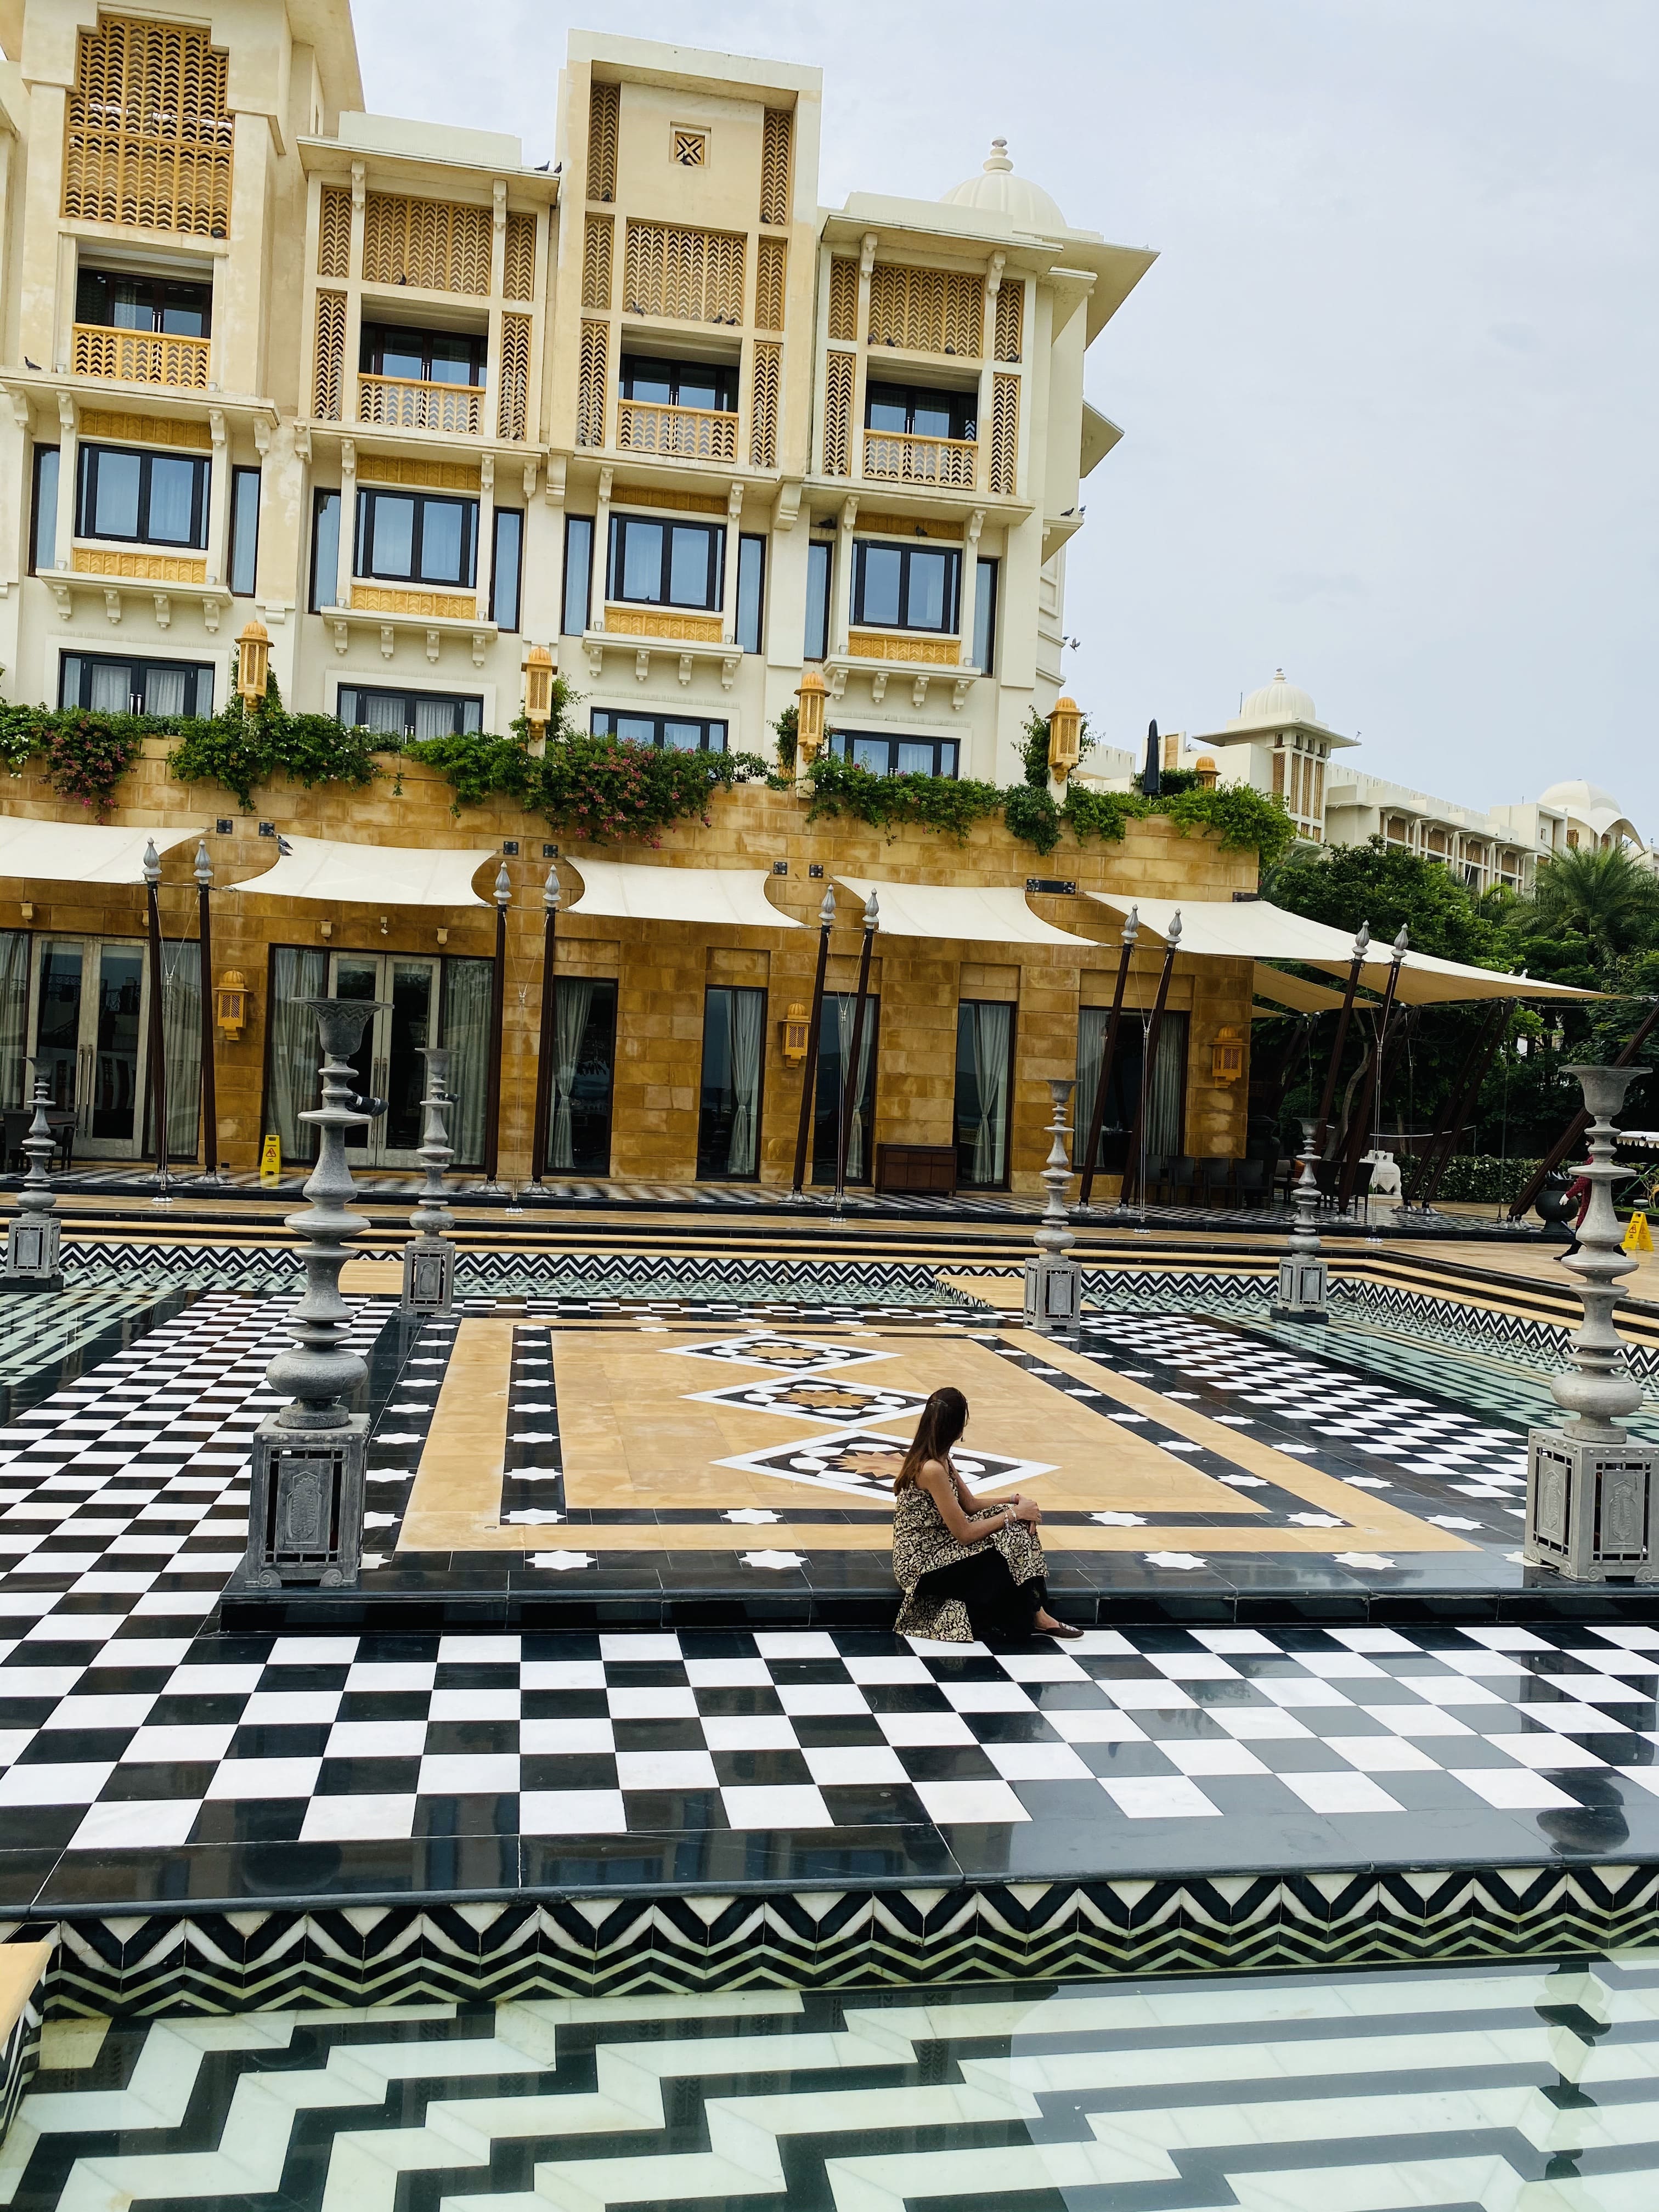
(1304, 1277)
(430, 1257)
(1054, 1281)
(34, 1240)
(1592, 1494)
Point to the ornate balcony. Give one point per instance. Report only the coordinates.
(905, 645)
(141, 356)
(894, 456)
(684, 434)
(407, 403)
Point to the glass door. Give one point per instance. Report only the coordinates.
(388, 1061)
(91, 1001)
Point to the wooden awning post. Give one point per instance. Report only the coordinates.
(546, 1042)
(204, 961)
(810, 1073)
(503, 895)
(158, 1057)
(1362, 944)
(849, 1074)
(1108, 1055)
(1132, 1159)
(1351, 1162)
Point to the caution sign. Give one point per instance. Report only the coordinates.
(271, 1157)
(1639, 1238)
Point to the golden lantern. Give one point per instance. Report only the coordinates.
(538, 688)
(797, 1029)
(253, 661)
(1227, 1056)
(808, 723)
(1205, 769)
(1065, 737)
(231, 1001)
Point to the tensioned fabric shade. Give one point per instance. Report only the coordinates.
(79, 852)
(1283, 990)
(634, 890)
(1256, 930)
(370, 875)
(975, 913)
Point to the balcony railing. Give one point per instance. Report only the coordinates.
(904, 645)
(892, 457)
(658, 622)
(408, 403)
(684, 434)
(141, 356)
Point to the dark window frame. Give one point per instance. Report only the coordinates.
(963, 407)
(722, 375)
(726, 1175)
(234, 567)
(750, 632)
(578, 532)
(319, 500)
(136, 663)
(458, 701)
(716, 731)
(372, 352)
(714, 533)
(514, 516)
(100, 313)
(37, 510)
(1005, 1182)
(843, 744)
(86, 500)
(987, 587)
(951, 554)
(606, 991)
(819, 586)
(368, 499)
(825, 1121)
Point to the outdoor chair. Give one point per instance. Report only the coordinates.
(1157, 1173)
(1215, 1181)
(1253, 1183)
(1182, 1180)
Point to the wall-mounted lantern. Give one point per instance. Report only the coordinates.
(1065, 737)
(538, 689)
(809, 721)
(797, 1031)
(232, 1001)
(1227, 1056)
(253, 661)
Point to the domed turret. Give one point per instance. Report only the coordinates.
(1274, 706)
(998, 191)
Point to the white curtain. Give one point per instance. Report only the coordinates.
(14, 1017)
(294, 1048)
(846, 1004)
(164, 690)
(111, 688)
(1164, 1115)
(572, 999)
(1090, 1047)
(466, 1033)
(748, 1032)
(990, 1027)
(181, 1043)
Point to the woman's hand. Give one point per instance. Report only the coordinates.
(1028, 1510)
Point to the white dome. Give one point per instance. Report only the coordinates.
(998, 190)
(1274, 706)
(1579, 797)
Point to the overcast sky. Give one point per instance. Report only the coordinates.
(1389, 393)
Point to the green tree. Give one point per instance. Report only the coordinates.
(1600, 900)
(1346, 884)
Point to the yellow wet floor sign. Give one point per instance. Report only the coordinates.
(1639, 1238)
(271, 1157)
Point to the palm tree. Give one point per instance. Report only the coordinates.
(1602, 895)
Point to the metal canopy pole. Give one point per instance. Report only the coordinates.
(810, 1074)
(544, 1042)
(849, 1074)
(1576, 1128)
(205, 954)
(1108, 1056)
(1132, 1161)
(497, 1012)
(1480, 1057)
(158, 1069)
(1361, 1128)
(1321, 1129)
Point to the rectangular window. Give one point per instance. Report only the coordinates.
(911, 411)
(291, 1079)
(15, 945)
(417, 537)
(679, 384)
(818, 601)
(398, 714)
(43, 521)
(885, 755)
(504, 576)
(985, 1066)
(674, 734)
(324, 549)
(149, 498)
(423, 357)
(111, 683)
(906, 586)
(733, 1053)
(667, 564)
(584, 1069)
(985, 616)
(1164, 1119)
(143, 303)
(578, 573)
(469, 988)
(182, 1044)
(244, 530)
(751, 592)
(834, 1055)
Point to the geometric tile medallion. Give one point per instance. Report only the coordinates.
(864, 1462)
(817, 1398)
(793, 1355)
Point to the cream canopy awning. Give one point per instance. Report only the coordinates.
(638, 892)
(79, 852)
(971, 913)
(370, 875)
(1256, 930)
(1279, 989)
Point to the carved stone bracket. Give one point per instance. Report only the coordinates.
(960, 689)
(919, 691)
(431, 647)
(729, 667)
(642, 666)
(388, 640)
(685, 668)
(163, 610)
(112, 605)
(480, 644)
(342, 638)
(786, 512)
(879, 686)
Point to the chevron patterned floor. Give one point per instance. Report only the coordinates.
(1513, 2089)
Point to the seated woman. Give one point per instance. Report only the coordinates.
(968, 1571)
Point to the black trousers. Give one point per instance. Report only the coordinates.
(997, 1607)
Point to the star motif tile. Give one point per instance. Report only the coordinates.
(817, 1398)
(783, 1354)
(863, 1462)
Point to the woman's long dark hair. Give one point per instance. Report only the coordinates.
(944, 1417)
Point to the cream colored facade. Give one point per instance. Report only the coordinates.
(568, 322)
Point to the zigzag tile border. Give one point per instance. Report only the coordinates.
(494, 1951)
(20, 2056)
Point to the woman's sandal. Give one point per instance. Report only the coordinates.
(1062, 1629)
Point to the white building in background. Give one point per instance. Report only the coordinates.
(1277, 744)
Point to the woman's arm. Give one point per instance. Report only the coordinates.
(939, 1482)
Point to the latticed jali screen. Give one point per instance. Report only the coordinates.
(513, 411)
(603, 110)
(433, 244)
(329, 367)
(764, 410)
(695, 275)
(334, 234)
(770, 259)
(837, 413)
(927, 310)
(1005, 435)
(591, 384)
(597, 240)
(778, 131)
(844, 300)
(148, 139)
(519, 280)
(1011, 315)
